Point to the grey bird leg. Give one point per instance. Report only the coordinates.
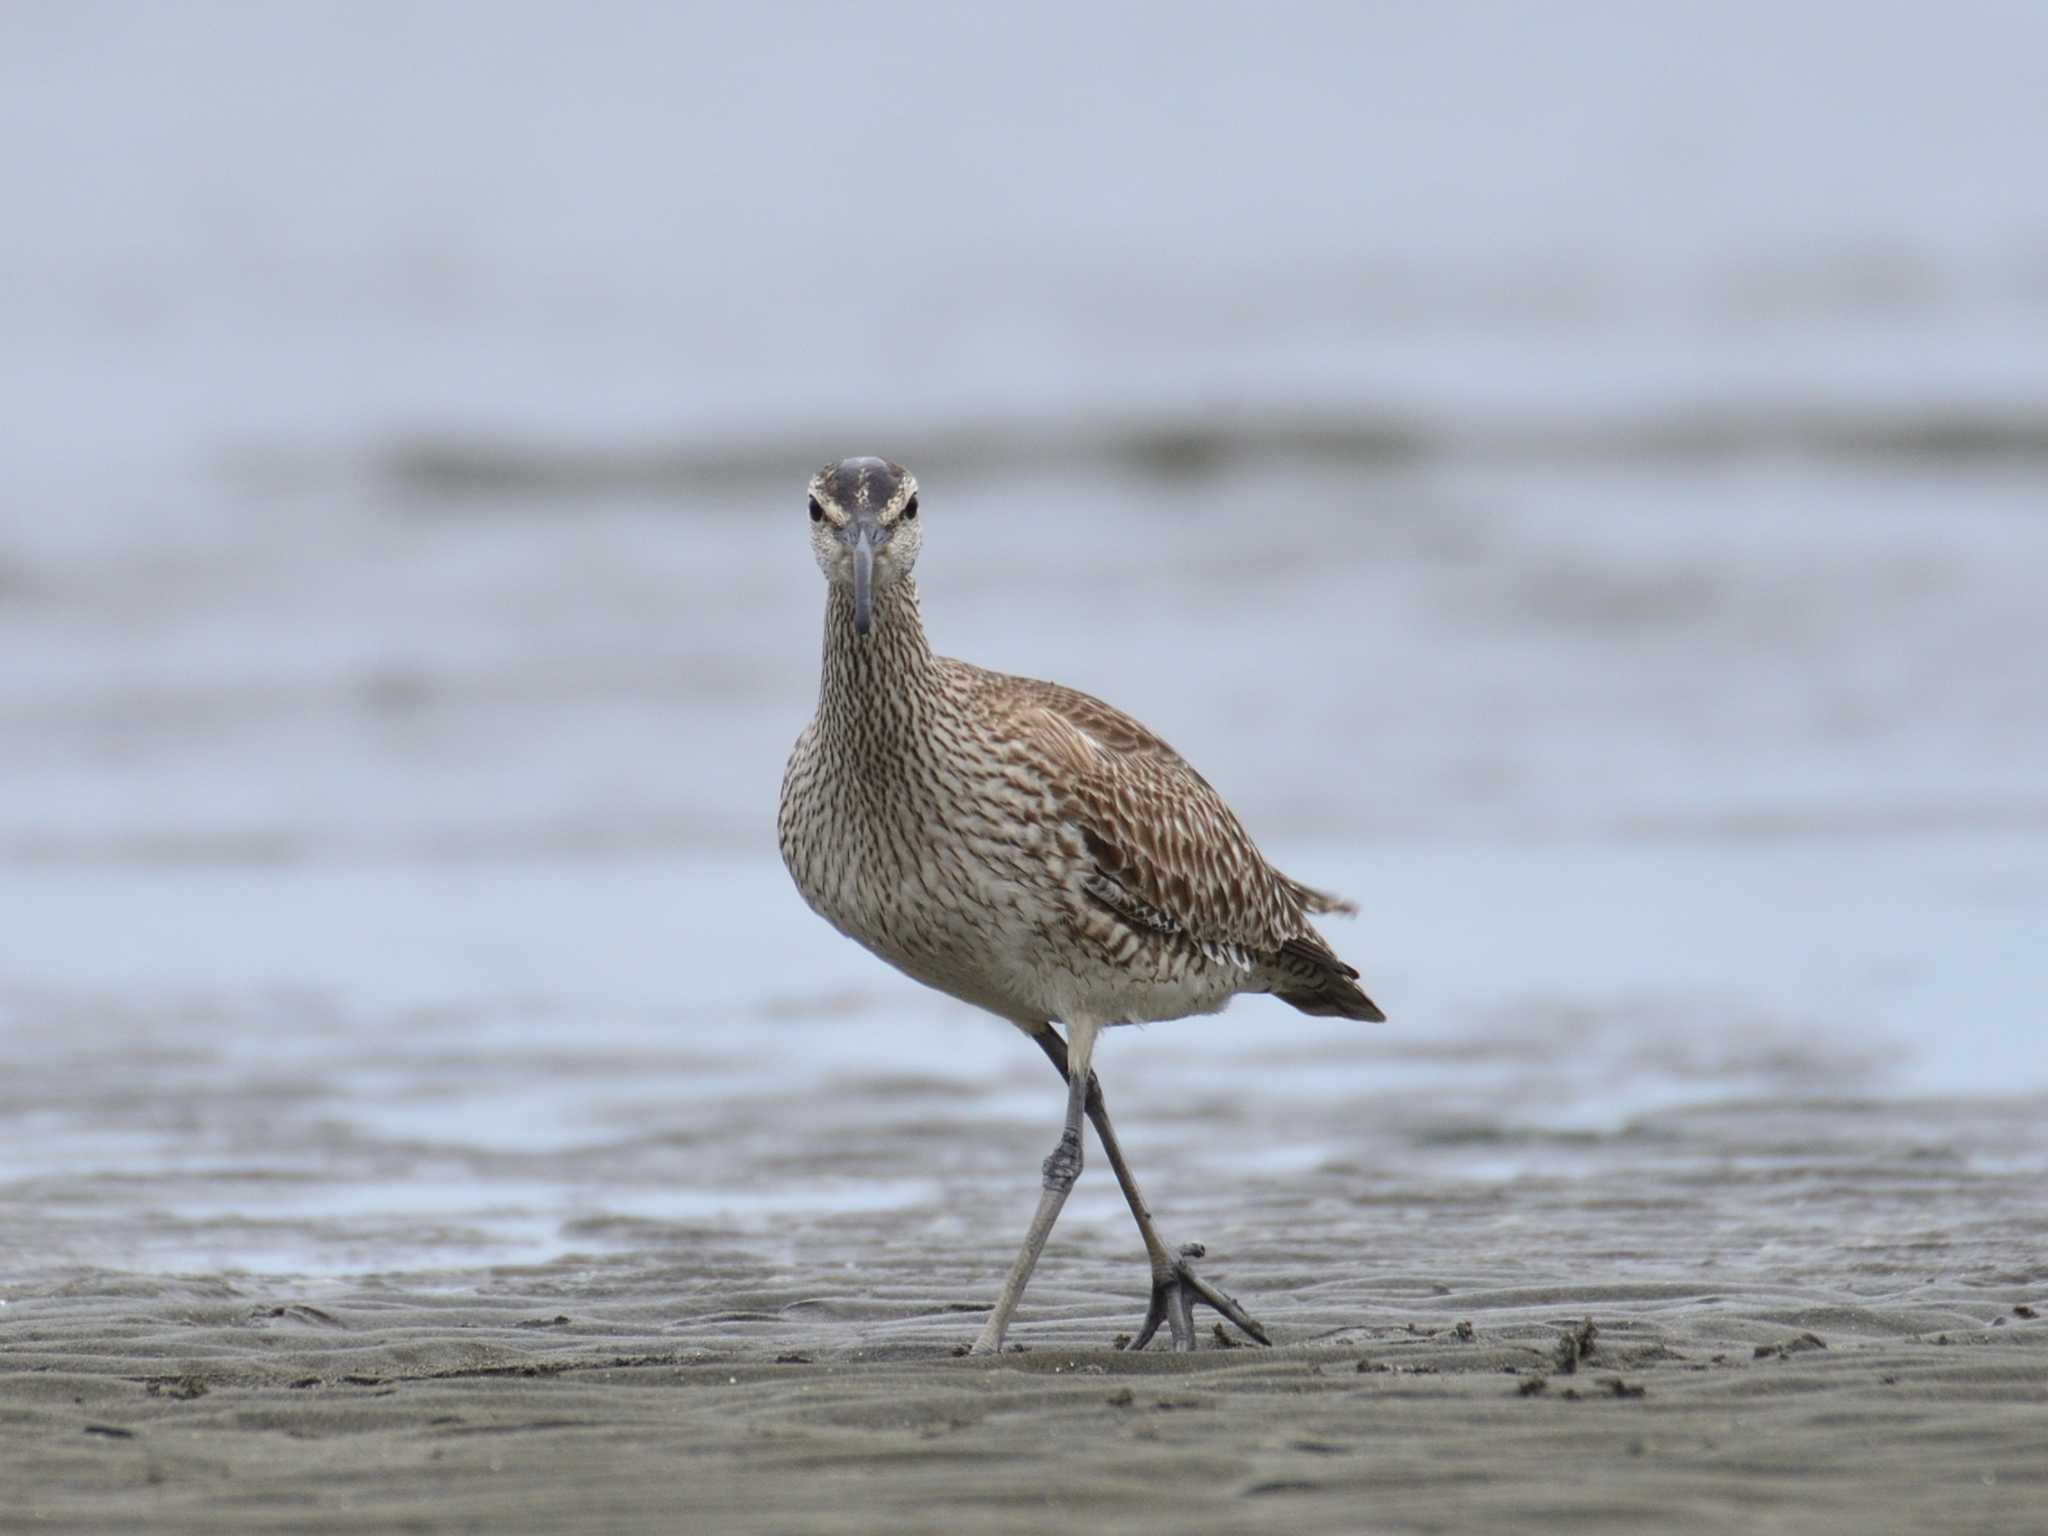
(1173, 1275)
(1061, 1169)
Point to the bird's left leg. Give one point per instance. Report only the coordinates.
(1175, 1285)
(1061, 1169)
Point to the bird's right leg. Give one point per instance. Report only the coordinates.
(1061, 1169)
(1175, 1285)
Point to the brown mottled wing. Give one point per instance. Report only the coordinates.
(1172, 856)
(1117, 731)
(1169, 856)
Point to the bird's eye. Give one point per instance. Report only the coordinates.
(817, 512)
(910, 510)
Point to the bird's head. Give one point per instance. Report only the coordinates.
(864, 529)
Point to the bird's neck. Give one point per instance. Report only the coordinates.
(886, 669)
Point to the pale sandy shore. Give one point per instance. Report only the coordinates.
(1851, 1335)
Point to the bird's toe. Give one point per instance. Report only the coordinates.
(1174, 1295)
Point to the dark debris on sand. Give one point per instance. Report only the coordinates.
(1786, 1348)
(1575, 1345)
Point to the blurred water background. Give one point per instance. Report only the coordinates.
(1573, 476)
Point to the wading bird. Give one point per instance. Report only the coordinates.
(1030, 850)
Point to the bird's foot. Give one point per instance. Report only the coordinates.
(1173, 1302)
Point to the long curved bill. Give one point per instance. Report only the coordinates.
(863, 581)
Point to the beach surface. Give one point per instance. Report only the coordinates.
(1654, 1260)
(1788, 1316)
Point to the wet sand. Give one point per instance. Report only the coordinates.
(1804, 1315)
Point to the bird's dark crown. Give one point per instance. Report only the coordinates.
(863, 485)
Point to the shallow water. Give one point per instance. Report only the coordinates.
(494, 1063)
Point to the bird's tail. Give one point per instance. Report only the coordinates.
(1313, 979)
(1334, 995)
